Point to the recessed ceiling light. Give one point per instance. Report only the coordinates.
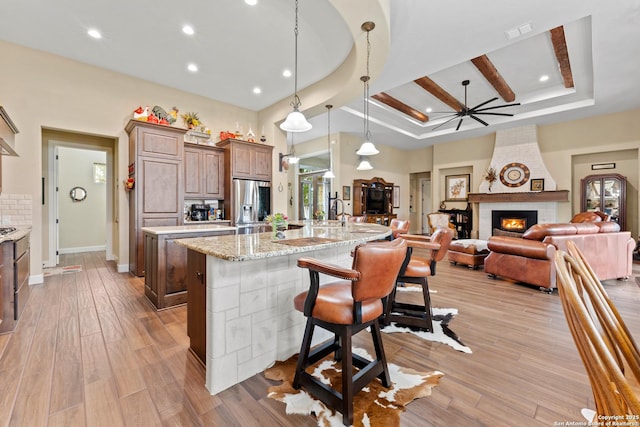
(544, 78)
(428, 110)
(251, 2)
(286, 73)
(188, 29)
(192, 67)
(257, 90)
(94, 33)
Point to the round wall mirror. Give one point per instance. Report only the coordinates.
(78, 194)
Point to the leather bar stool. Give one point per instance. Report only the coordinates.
(416, 269)
(399, 226)
(346, 307)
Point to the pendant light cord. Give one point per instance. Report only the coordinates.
(365, 79)
(296, 100)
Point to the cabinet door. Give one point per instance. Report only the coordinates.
(192, 173)
(213, 179)
(160, 187)
(159, 142)
(262, 159)
(241, 159)
(197, 303)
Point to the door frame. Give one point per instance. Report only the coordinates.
(53, 193)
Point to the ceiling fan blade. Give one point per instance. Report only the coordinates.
(479, 120)
(484, 103)
(459, 123)
(444, 123)
(497, 106)
(493, 114)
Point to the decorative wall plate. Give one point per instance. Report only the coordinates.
(514, 174)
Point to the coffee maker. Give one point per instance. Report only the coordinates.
(199, 212)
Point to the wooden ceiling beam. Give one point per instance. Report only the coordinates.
(430, 86)
(562, 54)
(400, 106)
(489, 71)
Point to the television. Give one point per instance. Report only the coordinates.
(376, 201)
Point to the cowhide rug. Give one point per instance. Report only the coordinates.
(441, 333)
(374, 405)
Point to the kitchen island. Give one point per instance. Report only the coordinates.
(240, 294)
(165, 262)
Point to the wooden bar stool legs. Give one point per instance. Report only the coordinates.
(345, 308)
(416, 270)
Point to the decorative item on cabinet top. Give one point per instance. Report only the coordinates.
(156, 115)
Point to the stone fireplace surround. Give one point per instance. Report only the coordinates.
(517, 145)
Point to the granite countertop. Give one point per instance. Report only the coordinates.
(321, 235)
(194, 228)
(15, 235)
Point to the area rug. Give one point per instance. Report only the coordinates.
(442, 333)
(374, 406)
(61, 270)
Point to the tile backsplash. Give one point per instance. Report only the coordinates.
(16, 209)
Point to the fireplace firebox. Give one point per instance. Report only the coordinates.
(512, 221)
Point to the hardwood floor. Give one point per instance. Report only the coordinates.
(89, 350)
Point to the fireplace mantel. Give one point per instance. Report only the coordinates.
(533, 196)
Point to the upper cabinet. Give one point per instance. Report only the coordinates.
(7, 134)
(247, 160)
(203, 172)
(606, 193)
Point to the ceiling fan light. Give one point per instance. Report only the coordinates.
(367, 149)
(364, 165)
(295, 122)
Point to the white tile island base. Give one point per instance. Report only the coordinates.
(250, 311)
(250, 318)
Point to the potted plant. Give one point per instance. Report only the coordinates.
(191, 119)
(279, 224)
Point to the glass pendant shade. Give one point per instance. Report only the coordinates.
(328, 175)
(296, 122)
(292, 159)
(367, 149)
(364, 165)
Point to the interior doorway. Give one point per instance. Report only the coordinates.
(313, 195)
(426, 207)
(77, 197)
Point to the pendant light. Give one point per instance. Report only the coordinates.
(367, 148)
(295, 122)
(329, 174)
(364, 164)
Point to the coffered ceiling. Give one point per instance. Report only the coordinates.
(501, 47)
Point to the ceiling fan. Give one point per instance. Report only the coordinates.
(473, 112)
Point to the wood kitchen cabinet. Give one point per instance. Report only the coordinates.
(203, 172)
(247, 160)
(197, 304)
(155, 163)
(14, 285)
(165, 279)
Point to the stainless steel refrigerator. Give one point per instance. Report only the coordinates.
(252, 201)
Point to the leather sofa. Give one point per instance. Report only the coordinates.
(530, 259)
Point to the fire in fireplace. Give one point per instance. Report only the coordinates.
(513, 224)
(512, 221)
